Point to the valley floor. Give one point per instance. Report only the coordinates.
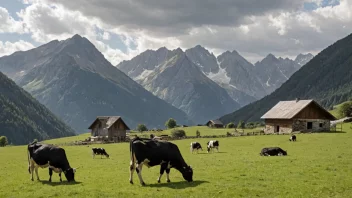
(317, 165)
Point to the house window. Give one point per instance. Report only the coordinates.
(320, 125)
(309, 125)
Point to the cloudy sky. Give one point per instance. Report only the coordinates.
(121, 29)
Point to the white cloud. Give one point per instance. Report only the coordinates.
(7, 48)
(8, 24)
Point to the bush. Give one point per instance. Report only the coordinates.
(178, 133)
(3, 141)
(230, 125)
(141, 128)
(241, 124)
(346, 109)
(198, 133)
(170, 123)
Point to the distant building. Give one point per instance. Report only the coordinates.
(112, 128)
(215, 124)
(297, 115)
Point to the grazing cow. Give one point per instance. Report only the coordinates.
(213, 144)
(99, 151)
(293, 138)
(272, 151)
(152, 153)
(46, 155)
(195, 146)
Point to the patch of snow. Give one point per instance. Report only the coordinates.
(233, 86)
(283, 74)
(144, 74)
(267, 82)
(221, 76)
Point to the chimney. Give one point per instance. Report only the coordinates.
(297, 99)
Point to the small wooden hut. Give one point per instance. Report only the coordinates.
(297, 115)
(111, 128)
(215, 124)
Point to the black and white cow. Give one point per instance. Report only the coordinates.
(152, 153)
(272, 151)
(212, 144)
(293, 138)
(195, 146)
(99, 151)
(46, 155)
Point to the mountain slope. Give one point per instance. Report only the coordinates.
(74, 80)
(22, 118)
(326, 78)
(171, 76)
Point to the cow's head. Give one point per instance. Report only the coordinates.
(70, 174)
(187, 173)
(107, 155)
(284, 152)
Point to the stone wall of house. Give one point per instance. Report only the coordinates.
(317, 125)
(269, 128)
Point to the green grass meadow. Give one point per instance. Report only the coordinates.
(317, 165)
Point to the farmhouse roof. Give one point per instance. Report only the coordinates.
(289, 109)
(108, 120)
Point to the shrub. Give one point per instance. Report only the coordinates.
(178, 133)
(346, 109)
(170, 123)
(198, 133)
(241, 124)
(141, 128)
(3, 141)
(230, 125)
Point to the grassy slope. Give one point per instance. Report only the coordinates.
(318, 165)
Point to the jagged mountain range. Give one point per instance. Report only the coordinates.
(175, 76)
(74, 80)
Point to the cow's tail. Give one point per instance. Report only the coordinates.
(29, 163)
(131, 153)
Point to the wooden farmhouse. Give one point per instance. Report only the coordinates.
(215, 124)
(297, 115)
(111, 128)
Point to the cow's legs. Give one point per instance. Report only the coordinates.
(163, 167)
(132, 168)
(60, 177)
(167, 175)
(139, 172)
(50, 174)
(36, 172)
(32, 170)
(217, 148)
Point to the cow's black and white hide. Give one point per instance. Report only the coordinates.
(152, 153)
(49, 156)
(99, 151)
(212, 144)
(293, 138)
(195, 146)
(273, 151)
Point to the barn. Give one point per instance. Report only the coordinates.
(297, 115)
(215, 124)
(111, 128)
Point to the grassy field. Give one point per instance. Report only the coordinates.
(317, 165)
(335, 111)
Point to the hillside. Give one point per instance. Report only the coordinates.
(326, 79)
(75, 81)
(22, 118)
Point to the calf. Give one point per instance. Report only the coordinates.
(99, 151)
(152, 153)
(272, 151)
(46, 155)
(212, 144)
(293, 138)
(195, 146)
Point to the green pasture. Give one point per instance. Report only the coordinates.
(317, 165)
